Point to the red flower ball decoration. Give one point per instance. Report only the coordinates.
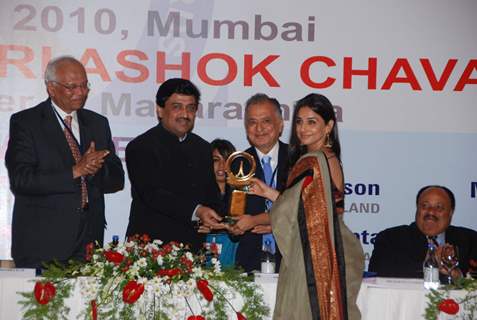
(114, 257)
(132, 291)
(449, 306)
(240, 316)
(203, 287)
(195, 318)
(44, 292)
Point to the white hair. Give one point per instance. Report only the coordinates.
(50, 72)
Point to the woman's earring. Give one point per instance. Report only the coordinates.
(328, 142)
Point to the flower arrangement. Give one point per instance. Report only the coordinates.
(144, 279)
(440, 301)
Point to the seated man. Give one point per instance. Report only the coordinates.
(400, 251)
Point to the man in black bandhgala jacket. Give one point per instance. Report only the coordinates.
(171, 171)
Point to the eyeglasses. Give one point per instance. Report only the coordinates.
(86, 85)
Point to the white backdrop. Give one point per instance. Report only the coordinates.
(402, 75)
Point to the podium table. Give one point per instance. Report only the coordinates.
(379, 298)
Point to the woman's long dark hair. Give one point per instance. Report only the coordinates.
(224, 147)
(323, 107)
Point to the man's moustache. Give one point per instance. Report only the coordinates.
(430, 216)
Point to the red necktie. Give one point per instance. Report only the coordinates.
(77, 156)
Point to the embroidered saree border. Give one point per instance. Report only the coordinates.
(321, 264)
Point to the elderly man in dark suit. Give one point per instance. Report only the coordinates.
(60, 160)
(171, 171)
(400, 251)
(264, 125)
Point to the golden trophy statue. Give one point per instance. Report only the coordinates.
(239, 181)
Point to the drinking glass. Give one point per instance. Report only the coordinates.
(449, 259)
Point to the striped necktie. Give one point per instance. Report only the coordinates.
(77, 156)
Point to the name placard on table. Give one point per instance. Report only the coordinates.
(16, 273)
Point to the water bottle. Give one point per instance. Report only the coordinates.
(115, 241)
(431, 268)
(268, 258)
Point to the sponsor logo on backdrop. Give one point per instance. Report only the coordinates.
(366, 237)
(355, 192)
(473, 189)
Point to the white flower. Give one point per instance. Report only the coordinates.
(142, 262)
(197, 272)
(142, 280)
(189, 256)
(160, 260)
(157, 241)
(133, 271)
(216, 263)
(183, 289)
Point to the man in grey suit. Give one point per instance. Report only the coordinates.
(60, 161)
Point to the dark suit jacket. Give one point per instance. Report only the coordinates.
(400, 251)
(250, 246)
(168, 180)
(46, 215)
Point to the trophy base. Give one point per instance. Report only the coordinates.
(238, 202)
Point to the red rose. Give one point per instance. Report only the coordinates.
(145, 238)
(195, 318)
(132, 291)
(133, 238)
(44, 292)
(89, 251)
(166, 249)
(203, 287)
(169, 272)
(114, 256)
(187, 263)
(449, 306)
(155, 253)
(240, 316)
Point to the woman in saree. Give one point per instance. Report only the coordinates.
(322, 260)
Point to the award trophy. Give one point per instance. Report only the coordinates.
(239, 181)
